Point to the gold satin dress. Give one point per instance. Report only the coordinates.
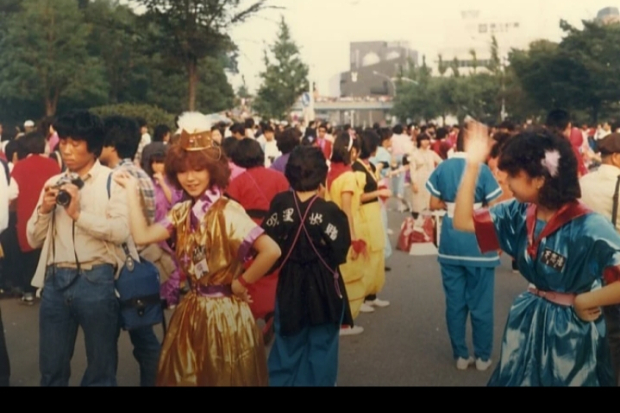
(212, 339)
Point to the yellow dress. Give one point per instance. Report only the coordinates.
(213, 339)
(371, 230)
(353, 270)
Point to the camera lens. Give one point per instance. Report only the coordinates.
(63, 198)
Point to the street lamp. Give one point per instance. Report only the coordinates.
(391, 80)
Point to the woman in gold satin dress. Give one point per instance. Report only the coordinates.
(212, 339)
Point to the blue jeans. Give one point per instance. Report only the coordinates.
(146, 349)
(71, 300)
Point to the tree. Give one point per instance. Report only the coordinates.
(442, 67)
(45, 56)
(285, 78)
(192, 30)
(474, 59)
(454, 65)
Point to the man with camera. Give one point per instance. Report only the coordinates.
(120, 146)
(79, 229)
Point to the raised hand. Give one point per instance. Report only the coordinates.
(477, 142)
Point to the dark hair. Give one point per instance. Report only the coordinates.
(526, 151)
(398, 129)
(31, 143)
(500, 138)
(558, 120)
(460, 140)
(385, 134)
(306, 169)
(141, 122)
(82, 126)
(267, 128)
(123, 134)
(44, 125)
(441, 133)
(10, 149)
(238, 128)
(248, 154)
(508, 125)
(288, 140)
(340, 150)
(159, 157)
(229, 145)
(160, 133)
(179, 160)
(422, 137)
(370, 142)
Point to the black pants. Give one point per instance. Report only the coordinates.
(5, 367)
(371, 298)
(28, 266)
(10, 263)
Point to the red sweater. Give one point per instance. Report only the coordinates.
(255, 189)
(30, 174)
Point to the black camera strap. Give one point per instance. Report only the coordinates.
(77, 261)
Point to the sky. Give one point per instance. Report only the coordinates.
(323, 29)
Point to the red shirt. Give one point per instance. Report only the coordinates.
(326, 147)
(441, 148)
(30, 174)
(255, 188)
(576, 140)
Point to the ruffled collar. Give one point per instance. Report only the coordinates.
(202, 205)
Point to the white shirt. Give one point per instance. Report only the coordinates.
(402, 145)
(4, 201)
(271, 150)
(597, 190)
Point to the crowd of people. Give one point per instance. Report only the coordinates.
(289, 225)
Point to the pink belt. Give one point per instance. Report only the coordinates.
(557, 298)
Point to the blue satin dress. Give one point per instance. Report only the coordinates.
(547, 344)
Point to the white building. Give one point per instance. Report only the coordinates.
(473, 31)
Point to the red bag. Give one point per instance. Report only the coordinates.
(405, 236)
(425, 232)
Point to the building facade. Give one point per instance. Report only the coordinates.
(373, 66)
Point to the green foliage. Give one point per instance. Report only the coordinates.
(190, 31)
(579, 74)
(284, 79)
(153, 115)
(45, 55)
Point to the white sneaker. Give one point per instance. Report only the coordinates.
(351, 331)
(378, 303)
(463, 364)
(365, 308)
(390, 232)
(482, 365)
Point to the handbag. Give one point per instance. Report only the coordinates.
(138, 288)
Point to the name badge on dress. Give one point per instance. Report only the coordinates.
(200, 262)
(553, 259)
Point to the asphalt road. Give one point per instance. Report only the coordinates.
(405, 344)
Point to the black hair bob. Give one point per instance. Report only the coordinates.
(306, 169)
(526, 152)
(248, 154)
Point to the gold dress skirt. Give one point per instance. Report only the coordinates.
(212, 341)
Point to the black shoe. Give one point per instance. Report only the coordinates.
(388, 269)
(514, 266)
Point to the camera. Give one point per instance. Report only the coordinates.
(64, 198)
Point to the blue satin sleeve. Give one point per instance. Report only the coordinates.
(509, 222)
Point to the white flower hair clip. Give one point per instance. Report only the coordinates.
(551, 162)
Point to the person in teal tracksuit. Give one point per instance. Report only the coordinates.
(467, 274)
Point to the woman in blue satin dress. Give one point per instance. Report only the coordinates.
(555, 335)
